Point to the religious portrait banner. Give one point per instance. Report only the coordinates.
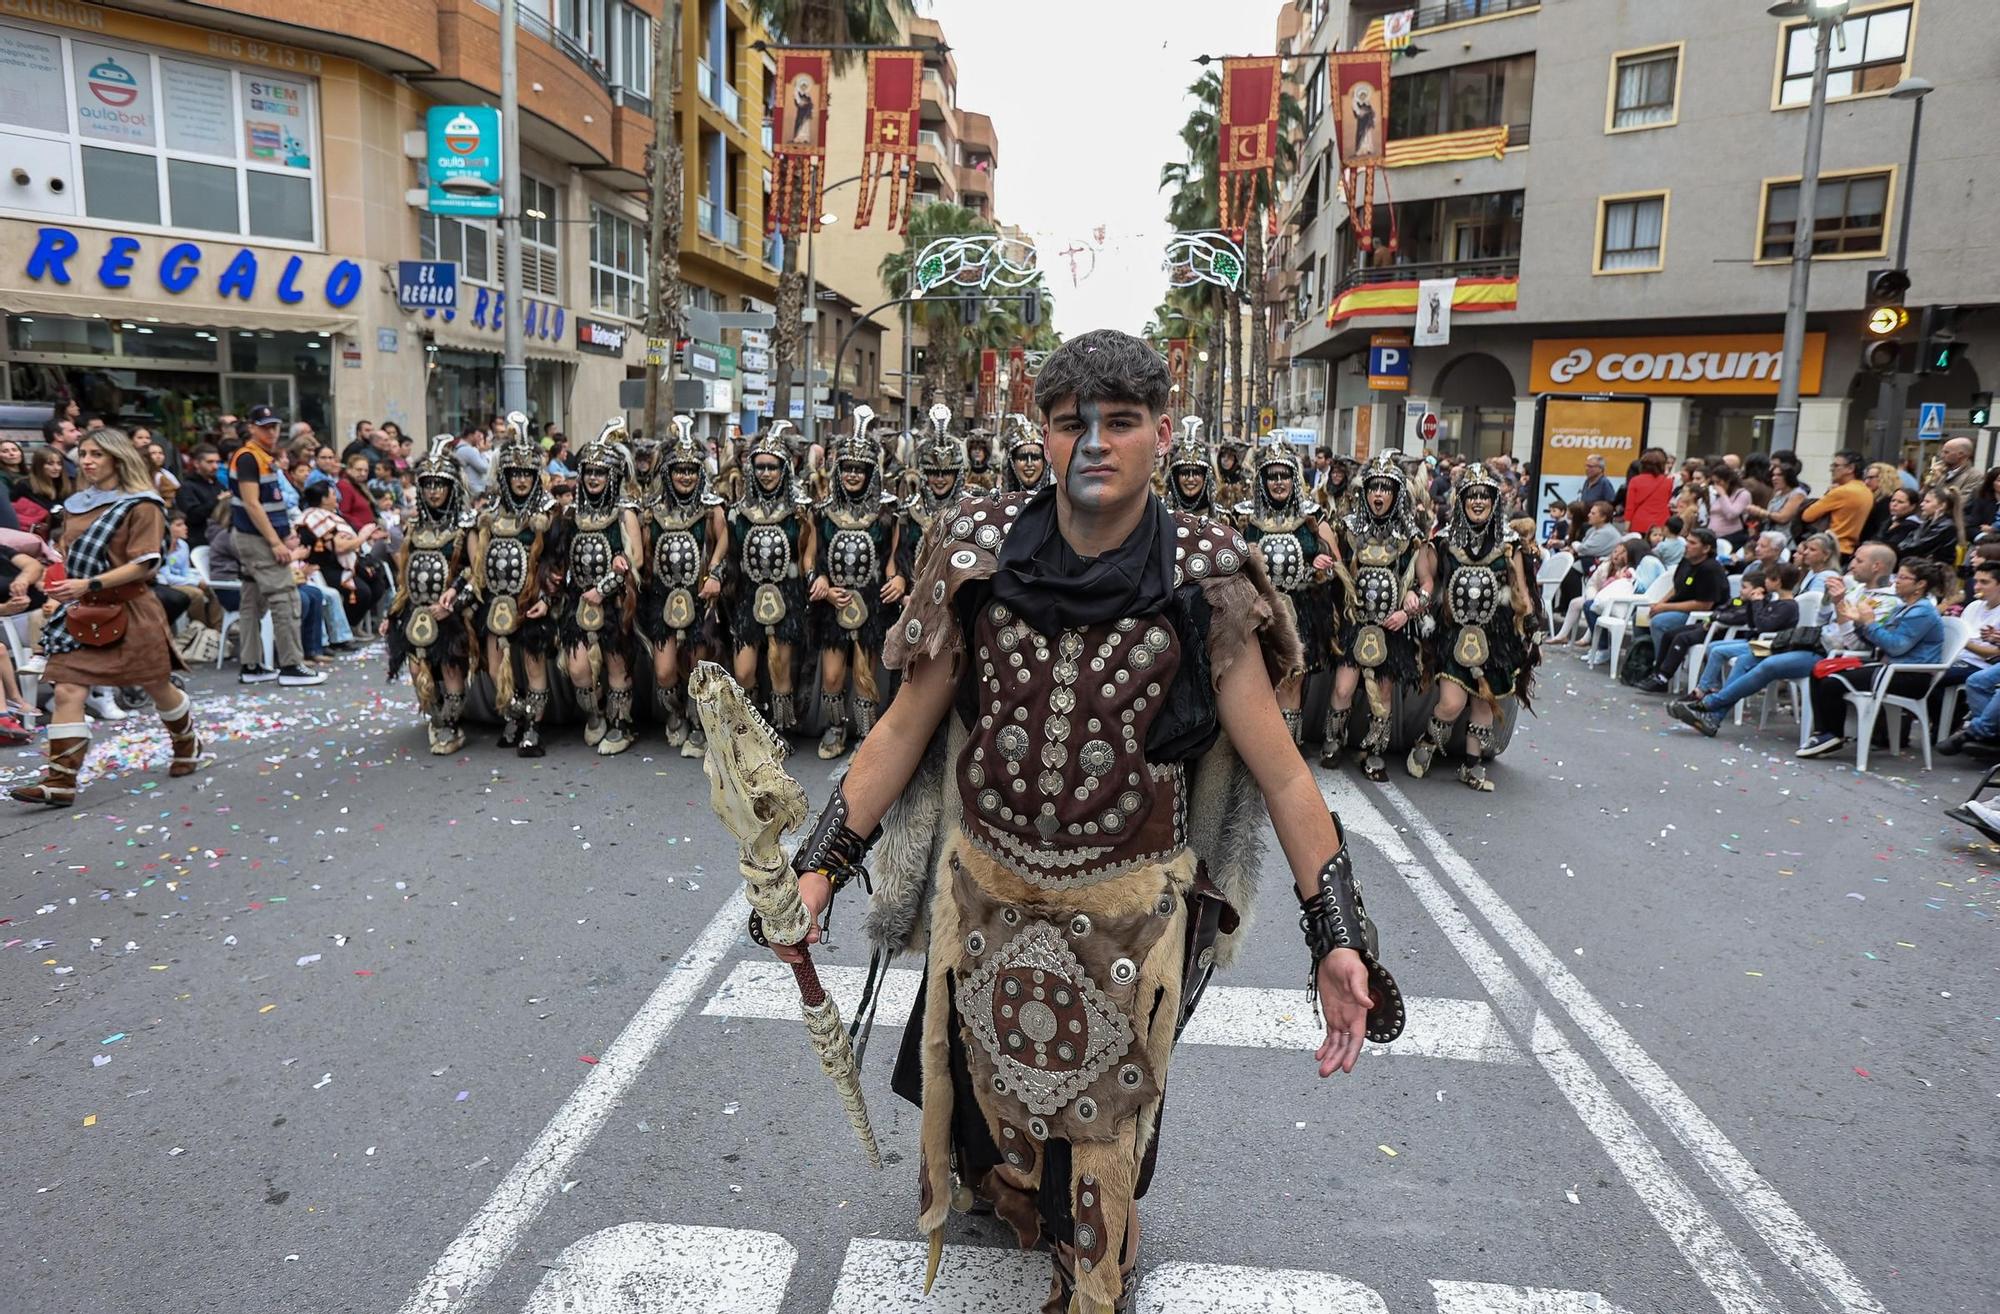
(895, 99)
(798, 138)
(1361, 102)
(1248, 135)
(1018, 385)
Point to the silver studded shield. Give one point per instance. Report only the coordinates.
(1048, 1029)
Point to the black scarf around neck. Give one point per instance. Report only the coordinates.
(1045, 582)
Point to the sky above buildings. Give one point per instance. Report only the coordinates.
(1087, 98)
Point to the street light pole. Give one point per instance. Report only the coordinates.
(513, 340)
(1825, 14)
(806, 412)
(1892, 397)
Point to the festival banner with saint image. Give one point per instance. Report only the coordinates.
(1361, 103)
(1248, 134)
(895, 82)
(1179, 354)
(1018, 392)
(989, 381)
(798, 139)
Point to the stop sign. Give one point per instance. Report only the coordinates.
(1428, 426)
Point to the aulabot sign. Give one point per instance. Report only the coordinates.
(1570, 428)
(58, 257)
(1703, 363)
(463, 157)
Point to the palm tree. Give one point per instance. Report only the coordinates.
(953, 354)
(1195, 206)
(832, 23)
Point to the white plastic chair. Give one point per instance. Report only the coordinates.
(227, 592)
(16, 630)
(1555, 568)
(1871, 703)
(1623, 613)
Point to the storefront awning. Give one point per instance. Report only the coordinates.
(455, 337)
(44, 301)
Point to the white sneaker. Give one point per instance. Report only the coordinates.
(293, 676)
(104, 706)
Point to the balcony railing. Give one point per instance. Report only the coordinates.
(925, 137)
(1457, 11)
(715, 89)
(720, 224)
(1501, 267)
(535, 25)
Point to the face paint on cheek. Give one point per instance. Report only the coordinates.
(1089, 445)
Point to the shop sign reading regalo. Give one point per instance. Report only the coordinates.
(1739, 364)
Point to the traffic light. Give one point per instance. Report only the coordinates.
(1940, 345)
(969, 308)
(1031, 309)
(1887, 287)
(1982, 410)
(1882, 339)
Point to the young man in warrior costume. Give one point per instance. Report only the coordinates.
(1087, 655)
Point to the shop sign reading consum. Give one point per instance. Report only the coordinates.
(463, 154)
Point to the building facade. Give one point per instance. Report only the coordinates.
(1614, 189)
(200, 216)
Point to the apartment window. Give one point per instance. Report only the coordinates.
(1315, 101)
(467, 241)
(164, 142)
(541, 267)
(1850, 216)
(1631, 234)
(583, 22)
(1871, 52)
(1481, 95)
(1645, 89)
(617, 264)
(633, 69)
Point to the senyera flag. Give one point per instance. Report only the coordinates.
(895, 82)
(798, 138)
(1248, 140)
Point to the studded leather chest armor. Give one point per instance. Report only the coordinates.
(590, 554)
(1473, 593)
(849, 555)
(767, 554)
(1054, 773)
(428, 574)
(1378, 577)
(1285, 559)
(506, 564)
(677, 558)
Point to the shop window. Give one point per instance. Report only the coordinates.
(1871, 53)
(60, 335)
(1645, 89)
(1481, 95)
(1850, 216)
(166, 142)
(617, 264)
(1631, 234)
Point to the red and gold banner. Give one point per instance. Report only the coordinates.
(1361, 104)
(895, 90)
(1180, 356)
(798, 139)
(1399, 299)
(1017, 380)
(989, 380)
(1248, 137)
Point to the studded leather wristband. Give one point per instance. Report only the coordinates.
(833, 847)
(1334, 918)
(611, 583)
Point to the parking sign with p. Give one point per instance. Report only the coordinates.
(1389, 362)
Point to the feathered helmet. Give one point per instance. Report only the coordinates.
(607, 455)
(1021, 432)
(1477, 474)
(775, 441)
(440, 467)
(858, 445)
(1190, 449)
(1277, 454)
(1384, 469)
(938, 450)
(516, 454)
(682, 451)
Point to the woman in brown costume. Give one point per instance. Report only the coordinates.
(108, 628)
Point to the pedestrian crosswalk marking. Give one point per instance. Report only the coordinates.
(659, 1268)
(1244, 1016)
(1492, 1298)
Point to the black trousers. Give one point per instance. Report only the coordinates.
(1829, 696)
(1684, 638)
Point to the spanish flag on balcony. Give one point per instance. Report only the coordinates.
(1390, 32)
(1471, 296)
(1471, 144)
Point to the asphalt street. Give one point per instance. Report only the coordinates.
(338, 1026)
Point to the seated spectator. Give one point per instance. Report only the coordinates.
(1899, 520)
(1873, 567)
(1700, 584)
(1915, 636)
(1672, 542)
(1615, 569)
(1766, 607)
(200, 493)
(1978, 667)
(1818, 559)
(1766, 550)
(326, 466)
(1599, 536)
(1728, 500)
(1933, 531)
(335, 549)
(190, 596)
(43, 490)
(20, 595)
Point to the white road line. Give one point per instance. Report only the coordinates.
(1701, 1241)
(661, 1269)
(1776, 1222)
(887, 1277)
(470, 1261)
(1246, 1016)
(1492, 1298)
(1231, 1289)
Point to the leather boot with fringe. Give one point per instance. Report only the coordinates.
(446, 735)
(533, 708)
(1436, 735)
(833, 742)
(1478, 748)
(187, 745)
(1335, 740)
(618, 723)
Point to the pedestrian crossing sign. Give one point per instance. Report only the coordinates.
(1930, 420)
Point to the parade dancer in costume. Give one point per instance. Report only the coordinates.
(940, 461)
(686, 544)
(1488, 618)
(1392, 568)
(600, 540)
(1296, 546)
(856, 586)
(1099, 673)
(427, 627)
(771, 552)
(1191, 473)
(981, 475)
(1027, 466)
(512, 582)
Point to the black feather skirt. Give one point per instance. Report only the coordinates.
(536, 636)
(748, 632)
(447, 652)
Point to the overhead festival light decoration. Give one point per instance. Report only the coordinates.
(1205, 257)
(980, 260)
